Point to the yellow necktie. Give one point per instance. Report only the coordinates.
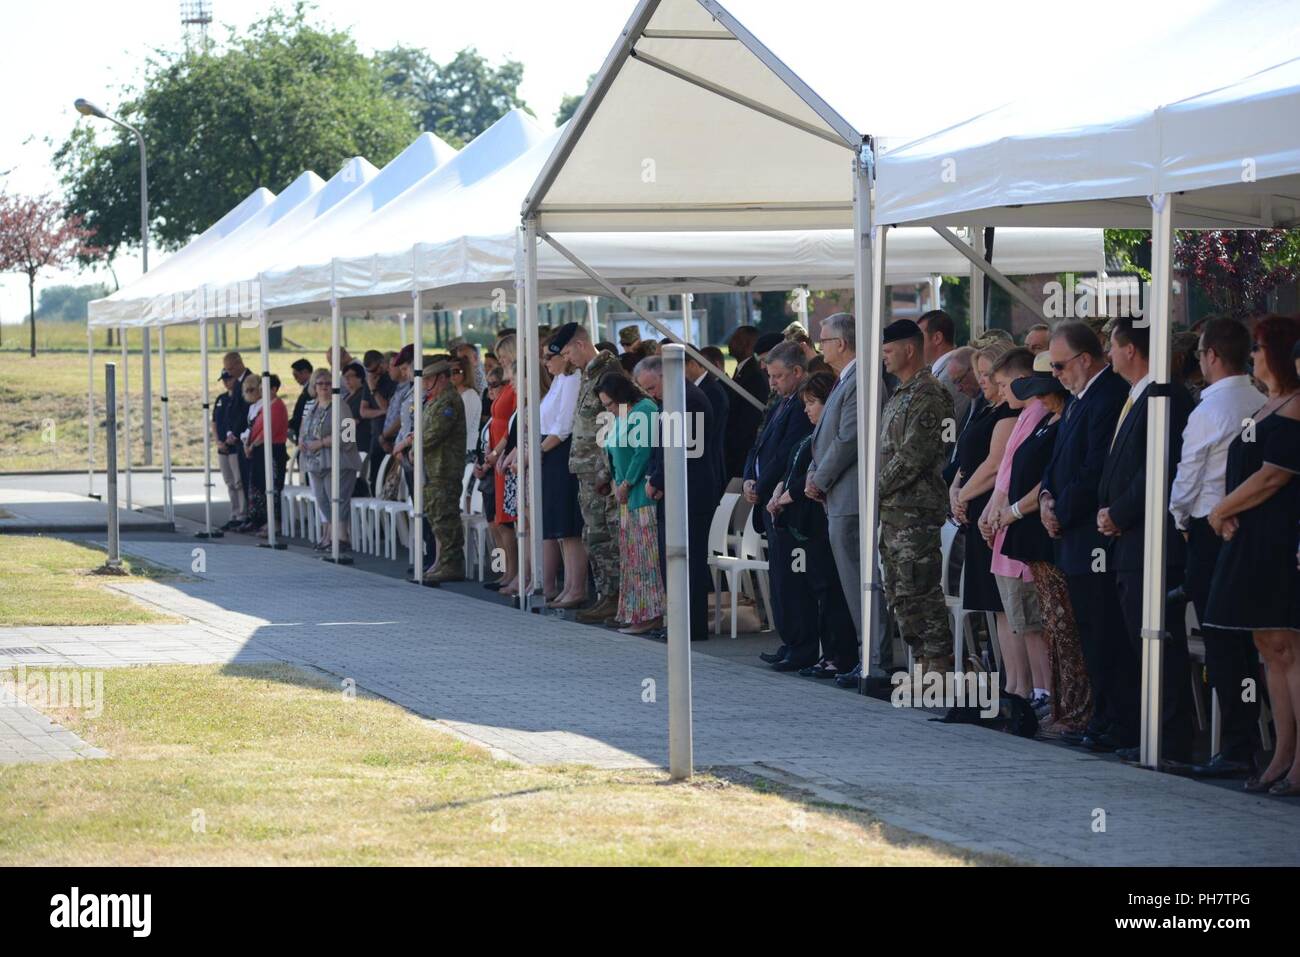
(1128, 404)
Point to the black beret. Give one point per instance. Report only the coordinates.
(767, 342)
(561, 338)
(902, 329)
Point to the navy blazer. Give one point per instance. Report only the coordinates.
(744, 419)
(701, 470)
(787, 424)
(716, 393)
(1123, 484)
(1074, 471)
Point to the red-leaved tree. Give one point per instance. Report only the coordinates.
(35, 233)
(1237, 268)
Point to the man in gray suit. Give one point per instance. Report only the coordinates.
(833, 473)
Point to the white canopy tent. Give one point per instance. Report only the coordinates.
(682, 70)
(1228, 158)
(114, 311)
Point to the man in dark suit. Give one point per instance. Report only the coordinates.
(1068, 501)
(701, 487)
(1121, 495)
(787, 424)
(716, 393)
(744, 419)
(237, 420)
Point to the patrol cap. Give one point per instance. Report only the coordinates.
(561, 338)
(406, 356)
(901, 329)
(435, 366)
(629, 335)
(767, 342)
(1042, 382)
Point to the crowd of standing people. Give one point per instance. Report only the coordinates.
(1012, 476)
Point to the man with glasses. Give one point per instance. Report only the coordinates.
(1069, 513)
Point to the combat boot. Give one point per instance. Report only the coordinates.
(606, 607)
(441, 575)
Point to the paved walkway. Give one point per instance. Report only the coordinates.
(545, 690)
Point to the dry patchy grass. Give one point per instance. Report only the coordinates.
(280, 768)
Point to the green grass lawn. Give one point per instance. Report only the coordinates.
(271, 765)
(47, 581)
(45, 399)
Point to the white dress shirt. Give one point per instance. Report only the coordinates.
(473, 413)
(559, 405)
(1199, 483)
(848, 369)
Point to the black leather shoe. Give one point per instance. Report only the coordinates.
(1129, 755)
(772, 657)
(791, 664)
(849, 679)
(1221, 766)
(1104, 743)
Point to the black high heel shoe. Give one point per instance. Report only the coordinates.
(1256, 784)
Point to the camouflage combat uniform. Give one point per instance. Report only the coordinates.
(587, 461)
(444, 471)
(913, 505)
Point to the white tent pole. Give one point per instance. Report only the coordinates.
(655, 323)
(678, 585)
(978, 322)
(401, 336)
(1014, 291)
(521, 389)
(417, 447)
(90, 411)
(207, 431)
(126, 412)
(457, 329)
(593, 320)
(533, 409)
(868, 249)
(336, 373)
(169, 505)
(268, 447)
(688, 334)
(801, 307)
(1157, 498)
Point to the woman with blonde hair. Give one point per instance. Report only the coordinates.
(499, 427)
(316, 440)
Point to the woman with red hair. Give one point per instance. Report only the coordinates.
(1256, 584)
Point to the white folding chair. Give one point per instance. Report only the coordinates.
(734, 567)
(363, 510)
(475, 524)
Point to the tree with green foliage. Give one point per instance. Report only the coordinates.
(68, 303)
(569, 105)
(458, 99)
(257, 110)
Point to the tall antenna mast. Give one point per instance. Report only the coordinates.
(195, 17)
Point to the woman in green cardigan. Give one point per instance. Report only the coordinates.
(629, 436)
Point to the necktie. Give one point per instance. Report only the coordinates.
(1128, 404)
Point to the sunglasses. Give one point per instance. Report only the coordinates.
(1060, 366)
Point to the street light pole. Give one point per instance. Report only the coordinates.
(86, 108)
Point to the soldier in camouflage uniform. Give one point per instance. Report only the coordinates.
(913, 499)
(444, 470)
(588, 462)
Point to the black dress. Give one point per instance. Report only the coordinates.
(979, 590)
(1256, 583)
(806, 522)
(1027, 540)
